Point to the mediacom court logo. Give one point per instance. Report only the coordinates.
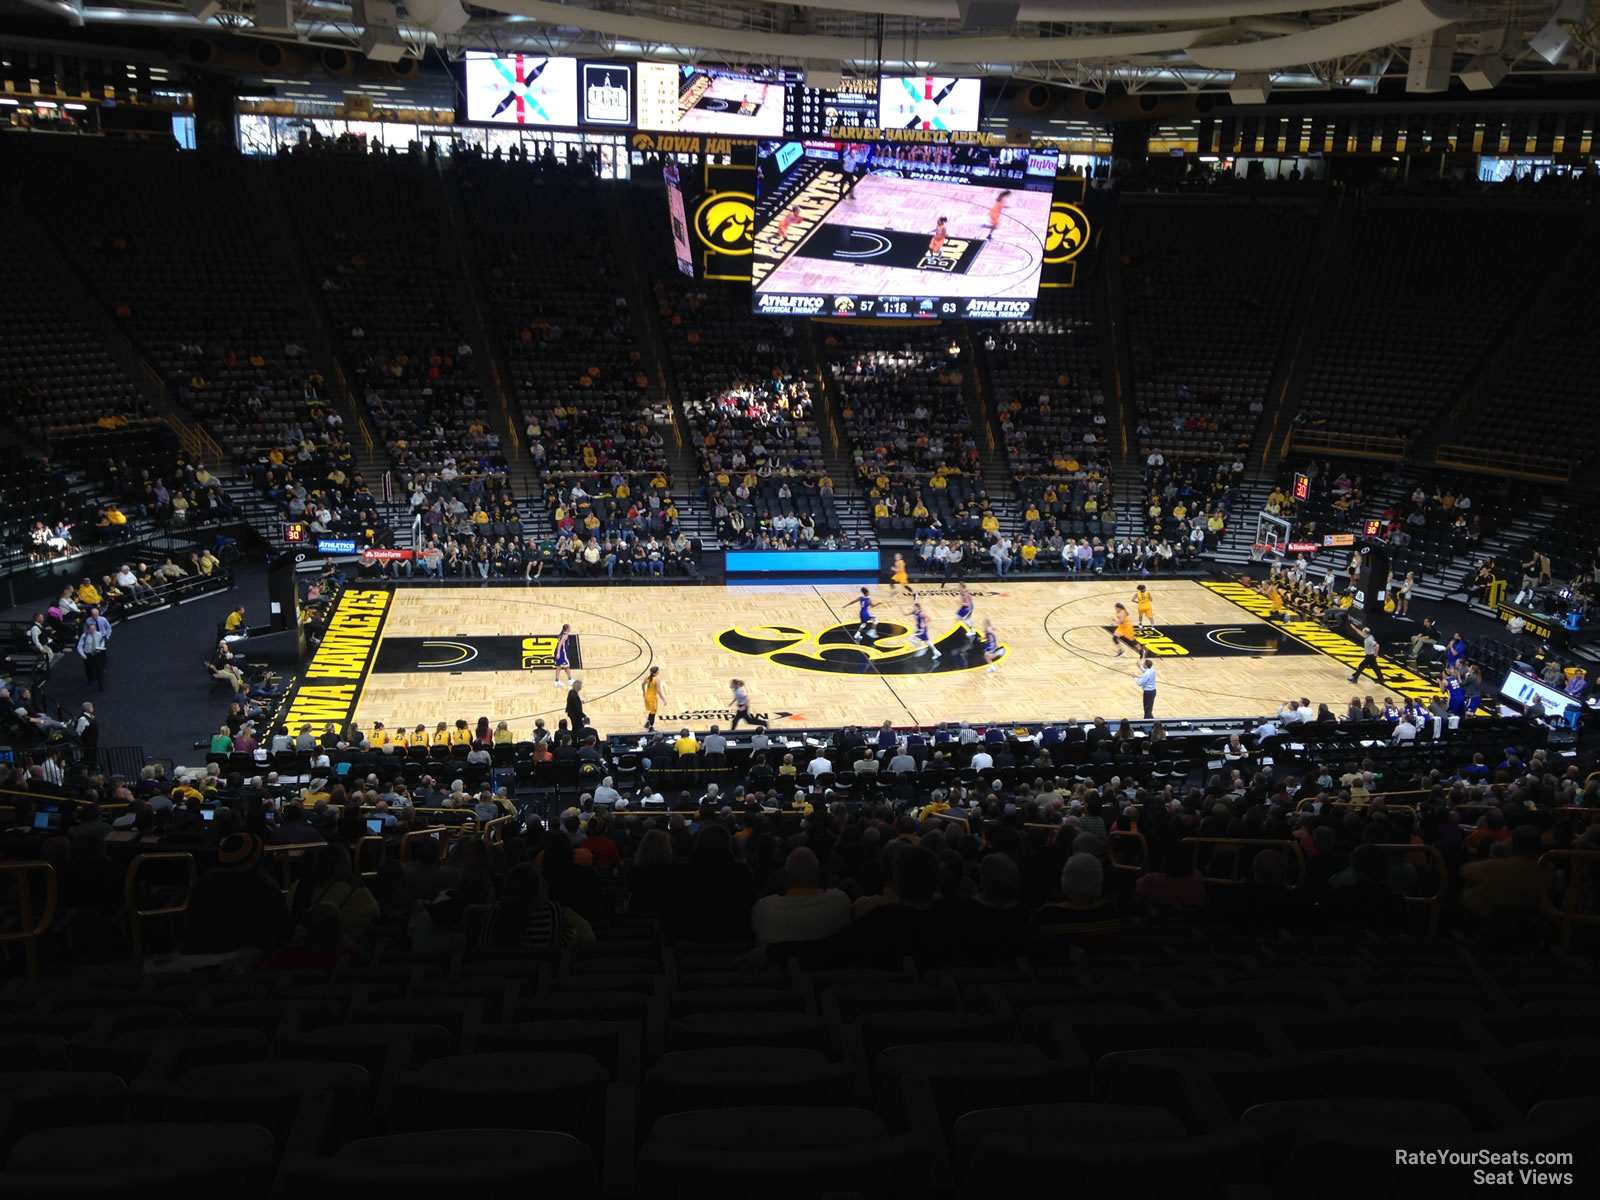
(1068, 233)
(725, 222)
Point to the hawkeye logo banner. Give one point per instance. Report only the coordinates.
(835, 651)
(536, 652)
(330, 686)
(1397, 678)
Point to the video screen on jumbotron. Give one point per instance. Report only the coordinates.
(900, 229)
(929, 102)
(521, 89)
(677, 98)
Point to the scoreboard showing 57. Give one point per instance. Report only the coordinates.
(927, 308)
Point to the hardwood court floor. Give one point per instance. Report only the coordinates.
(792, 645)
(1006, 268)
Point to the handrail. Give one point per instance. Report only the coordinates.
(1435, 902)
(445, 835)
(136, 916)
(954, 819)
(1301, 807)
(1128, 835)
(494, 830)
(1236, 843)
(358, 849)
(1361, 444)
(29, 931)
(1530, 466)
(1567, 915)
(286, 853)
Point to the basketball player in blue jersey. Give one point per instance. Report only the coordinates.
(563, 664)
(868, 621)
(964, 613)
(921, 633)
(991, 644)
(1455, 691)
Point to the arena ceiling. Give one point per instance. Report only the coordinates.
(1142, 45)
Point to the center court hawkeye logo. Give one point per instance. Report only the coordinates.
(725, 222)
(835, 651)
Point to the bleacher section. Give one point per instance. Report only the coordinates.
(1209, 286)
(54, 373)
(1412, 312)
(899, 398)
(372, 234)
(1543, 402)
(175, 250)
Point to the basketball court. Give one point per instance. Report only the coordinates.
(421, 654)
(875, 242)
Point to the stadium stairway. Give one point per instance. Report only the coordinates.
(470, 287)
(370, 464)
(1288, 381)
(32, 238)
(1506, 545)
(977, 388)
(1482, 390)
(1234, 548)
(838, 460)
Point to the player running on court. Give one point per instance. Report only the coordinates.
(868, 621)
(900, 578)
(741, 707)
(1146, 608)
(654, 694)
(940, 235)
(563, 662)
(964, 613)
(785, 222)
(922, 634)
(1124, 632)
(996, 210)
(991, 644)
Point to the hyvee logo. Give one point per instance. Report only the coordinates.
(725, 222)
(1068, 233)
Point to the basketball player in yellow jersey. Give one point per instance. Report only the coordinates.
(1147, 611)
(654, 694)
(900, 578)
(1274, 594)
(1124, 632)
(996, 210)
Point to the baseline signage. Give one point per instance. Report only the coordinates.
(1396, 678)
(329, 688)
(336, 546)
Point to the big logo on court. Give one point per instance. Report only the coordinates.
(726, 221)
(835, 651)
(1068, 234)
